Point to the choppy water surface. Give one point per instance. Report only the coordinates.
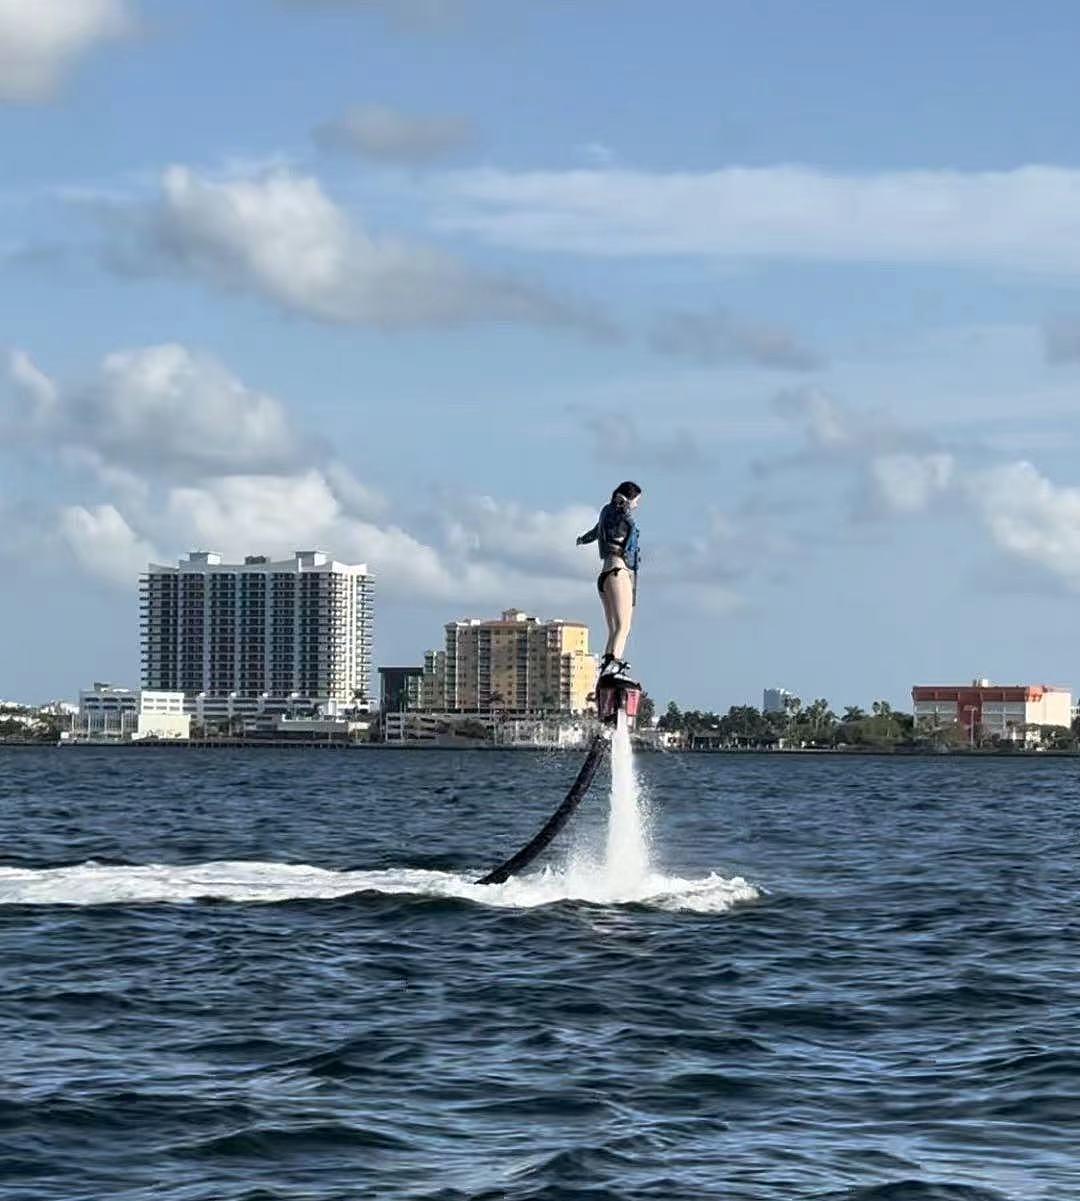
(258, 975)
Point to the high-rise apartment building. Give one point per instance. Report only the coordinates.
(773, 700)
(259, 630)
(433, 682)
(515, 663)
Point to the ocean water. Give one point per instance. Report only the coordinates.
(267, 974)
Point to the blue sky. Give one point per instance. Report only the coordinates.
(418, 281)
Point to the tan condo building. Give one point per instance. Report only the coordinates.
(516, 663)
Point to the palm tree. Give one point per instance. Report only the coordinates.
(931, 728)
(853, 713)
(792, 706)
(827, 718)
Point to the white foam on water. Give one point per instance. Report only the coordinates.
(247, 881)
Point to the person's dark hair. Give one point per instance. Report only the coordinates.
(627, 490)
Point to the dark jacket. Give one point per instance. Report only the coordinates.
(617, 533)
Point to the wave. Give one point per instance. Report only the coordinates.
(914, 1190)
(267, 1142)
(94, 883)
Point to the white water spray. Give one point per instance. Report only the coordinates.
(627, 843)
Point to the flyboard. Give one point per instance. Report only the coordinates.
(613, 696)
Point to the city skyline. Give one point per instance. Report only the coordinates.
(424, 304)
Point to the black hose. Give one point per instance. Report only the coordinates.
(556, 821)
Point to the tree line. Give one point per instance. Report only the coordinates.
(24, 724)
(816, 725)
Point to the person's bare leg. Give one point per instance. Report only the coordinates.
(610, 616)
(619, 592)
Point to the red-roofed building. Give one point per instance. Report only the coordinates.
(1001, 710)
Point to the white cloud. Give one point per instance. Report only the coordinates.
(34, 385)
(832, 429)
(515, 535)
(167, 403)
(234, 514)
(704, 570)
(281, 237)
(159, 408)
(897, 470)
(475, 561)
(357, 498)
(41, 39)
(469, 566)
(184, 453)
(118, 481)
(900, 472)
(104, 543)
(377, 132)
(1027, 218)
(828, 425)
(908, 483)
(1029, 517)
(240, 515)
(160, 415)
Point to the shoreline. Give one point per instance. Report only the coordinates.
(267, 744)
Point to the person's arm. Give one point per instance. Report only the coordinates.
(590, 536)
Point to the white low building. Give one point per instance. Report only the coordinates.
(542, 733)
(320, 727)
(408, 726)
(109, 713)
(162, 716)
(419, 726)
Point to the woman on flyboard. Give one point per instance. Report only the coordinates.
(617, 535)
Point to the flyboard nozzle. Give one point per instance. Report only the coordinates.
(613, 694)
